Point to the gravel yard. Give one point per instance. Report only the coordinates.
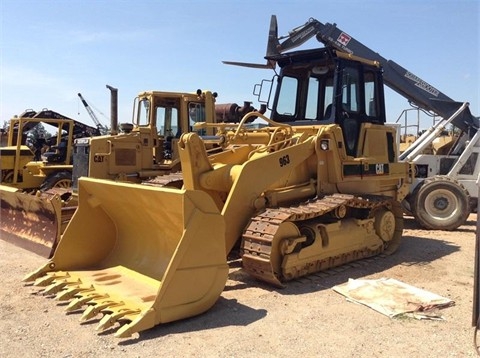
(251, 319)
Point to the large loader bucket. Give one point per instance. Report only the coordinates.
(29, 221)
(140, 255)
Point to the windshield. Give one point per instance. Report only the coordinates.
(167, 121)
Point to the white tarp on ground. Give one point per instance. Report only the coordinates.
(392, 298)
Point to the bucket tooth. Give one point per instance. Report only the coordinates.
(71, 292)
(41, 273)
(47, 279)
(110, 319)
(54, 288)
(138, 322)
(81, 301)
(44, 280)
(59, 285)
(93, 310)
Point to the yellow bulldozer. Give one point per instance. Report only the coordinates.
(317, 187)
(137, 151)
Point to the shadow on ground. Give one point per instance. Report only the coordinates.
(468, 226)
(225, 312)
(413, 251)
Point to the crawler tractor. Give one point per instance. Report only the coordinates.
(318, 187)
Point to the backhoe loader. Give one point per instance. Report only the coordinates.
(144, 150)
(319, 186)
(25, 171)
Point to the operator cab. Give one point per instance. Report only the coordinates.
(168, 115)
(321, 86)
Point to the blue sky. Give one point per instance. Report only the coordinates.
(51, 50)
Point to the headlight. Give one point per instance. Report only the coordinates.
(325, 144)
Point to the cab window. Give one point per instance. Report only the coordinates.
(287, 98)
(312, 98)
(167, 121)
(351, 90)
(143, 113)
(196, 112)
(371, 105)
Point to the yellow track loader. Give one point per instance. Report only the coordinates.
(145, 149)
(317, 187)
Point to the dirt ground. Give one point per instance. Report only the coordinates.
(251, 319)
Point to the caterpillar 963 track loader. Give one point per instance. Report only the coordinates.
(145, 149)
(318, 187)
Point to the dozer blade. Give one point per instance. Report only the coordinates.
(140, 255)
(29, 221)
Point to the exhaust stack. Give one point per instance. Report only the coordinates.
(113, 110)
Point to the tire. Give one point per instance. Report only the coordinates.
(61, 179)
(440, 203)
(8, 177)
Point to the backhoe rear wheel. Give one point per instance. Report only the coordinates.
(61, 180)
(7, 176)
(440, 203)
